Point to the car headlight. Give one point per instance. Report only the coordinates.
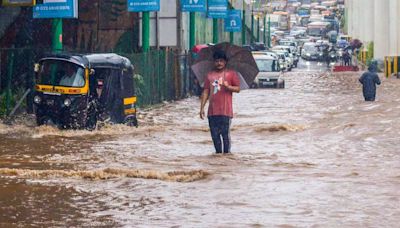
(67, 102)
(37, 99)
(308, 54)
(320, 54)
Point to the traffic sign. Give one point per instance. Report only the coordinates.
(217, 8)
(193, 5)
(143, 5)
(56, 9)
(233, 22)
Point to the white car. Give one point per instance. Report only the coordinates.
(267, 53)
(288, 58)
(270, 75)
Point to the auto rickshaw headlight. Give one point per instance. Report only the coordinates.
(37, 99)
(67, 102)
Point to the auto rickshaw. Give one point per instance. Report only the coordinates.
(76, 91)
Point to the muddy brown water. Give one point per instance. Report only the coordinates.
(311, 155)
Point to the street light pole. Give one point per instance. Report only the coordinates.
(215, 30)
(231, 33)
(192, 30)
(57, 27)
(258, 28)
(146, 31)
(264, 26)
(269, 31)
(243, 23)
(252, 24)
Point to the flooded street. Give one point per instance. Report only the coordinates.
(311, 155)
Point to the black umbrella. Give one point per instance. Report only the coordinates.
(239, 59)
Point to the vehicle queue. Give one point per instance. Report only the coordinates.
(313, 35)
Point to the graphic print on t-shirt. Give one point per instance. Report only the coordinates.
(217, 85)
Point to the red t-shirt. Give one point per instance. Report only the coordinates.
(220, 98)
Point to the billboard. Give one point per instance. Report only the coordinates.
(56, 9)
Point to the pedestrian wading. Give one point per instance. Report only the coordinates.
(369, 80)
(219, 85)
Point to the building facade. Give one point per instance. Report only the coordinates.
(375, 21)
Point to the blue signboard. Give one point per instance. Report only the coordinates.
(193, 5)
(143, 5)
(56, 9)
(233, 23)
(218, 8)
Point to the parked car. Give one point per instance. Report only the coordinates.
(267, 53)
(270, 75)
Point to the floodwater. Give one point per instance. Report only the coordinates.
(311, 155)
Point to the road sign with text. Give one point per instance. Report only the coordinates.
(217, 8)
(143, 5)
(193, 5)
(233, 23)
(56, 9)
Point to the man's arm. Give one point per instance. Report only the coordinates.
(377, 80)
(204, 98)
(233, 84)
(361, 79)
(234, 89)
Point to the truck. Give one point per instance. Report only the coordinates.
(280, 20)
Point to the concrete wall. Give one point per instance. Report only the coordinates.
(377, 21)
(394, 24)
(381, 41)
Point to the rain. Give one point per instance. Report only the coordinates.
(307, 150)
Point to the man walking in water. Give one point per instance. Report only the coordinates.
(218, 88)
(369, 80)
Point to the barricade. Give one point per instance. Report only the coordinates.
(392, 65)
(338, 68)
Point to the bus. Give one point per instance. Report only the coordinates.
(318, 29)
(329, 3)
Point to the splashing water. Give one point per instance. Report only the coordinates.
(109, 173)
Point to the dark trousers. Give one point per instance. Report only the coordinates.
(219, 128)
(369, 98)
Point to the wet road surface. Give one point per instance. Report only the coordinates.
(311, 155)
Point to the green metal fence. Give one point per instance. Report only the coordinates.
(161, 75)
(16, 76)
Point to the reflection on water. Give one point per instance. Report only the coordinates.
(312, 154)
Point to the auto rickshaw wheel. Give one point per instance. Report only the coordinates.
(42, 120)
(45, 120)
(131, 121)
(91, 119)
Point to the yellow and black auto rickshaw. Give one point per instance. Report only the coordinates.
(76, 91)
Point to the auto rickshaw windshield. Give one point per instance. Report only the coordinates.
(61, 73)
